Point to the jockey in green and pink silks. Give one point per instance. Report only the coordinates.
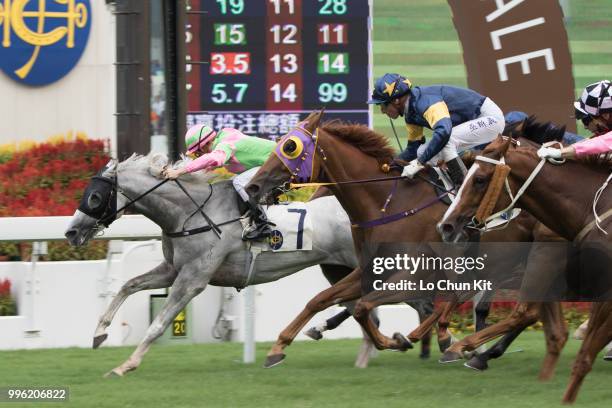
(236, 152)
(230, 148)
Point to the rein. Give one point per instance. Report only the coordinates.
(111, 217)
(397, 216)
(297, 172)
(183, 233)
(341, 183)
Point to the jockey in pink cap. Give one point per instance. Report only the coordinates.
(238, 153)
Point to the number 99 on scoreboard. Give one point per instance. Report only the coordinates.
(260, 66)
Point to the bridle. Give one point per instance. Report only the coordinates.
(483, 214)
(108, 212)
(297, 151)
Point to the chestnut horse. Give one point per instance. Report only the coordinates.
(562, 197)
(333, 152)
(543, 269)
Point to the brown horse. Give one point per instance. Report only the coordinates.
(543, 269)
(559, 196)
(354, 152)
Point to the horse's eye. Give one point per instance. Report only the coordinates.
(289, 147)
(94, 200)
(292, 148)
(480, 180)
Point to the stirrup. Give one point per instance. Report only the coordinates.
(256, 231)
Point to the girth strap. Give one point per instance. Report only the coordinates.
(591, 224)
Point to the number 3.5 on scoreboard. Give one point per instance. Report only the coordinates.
(230, 63)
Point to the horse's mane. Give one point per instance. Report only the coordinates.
(537, 132)
(362, 137)
(155, 163)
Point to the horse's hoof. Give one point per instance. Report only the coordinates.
(314, 333)
(467, 355)
(445, 343)
(477, 363)
(99, 340)
(450, 357)
(113, 373)
(403, 343)
(425, 355)
(274, 360)
(608, 356)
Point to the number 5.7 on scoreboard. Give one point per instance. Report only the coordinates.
(222, 93)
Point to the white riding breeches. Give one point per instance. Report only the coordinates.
(241, 181)
(475, 132)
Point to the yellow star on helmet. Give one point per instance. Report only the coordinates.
(389, 88)
(407, 82)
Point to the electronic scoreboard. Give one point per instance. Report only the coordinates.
(261, 66)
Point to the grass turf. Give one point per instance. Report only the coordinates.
(315, 374)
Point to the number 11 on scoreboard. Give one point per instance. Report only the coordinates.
(279, 5)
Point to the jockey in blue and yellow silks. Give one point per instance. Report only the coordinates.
(459, 118)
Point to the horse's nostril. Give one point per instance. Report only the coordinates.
(71, 233)
(252, 189)
(447, 229)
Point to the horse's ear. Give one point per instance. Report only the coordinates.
(110, 168)
(506, 142)
(561, 132)
(314, 120)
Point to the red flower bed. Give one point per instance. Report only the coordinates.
(49, 179)
(462, 319)
(5, 288)
(8, 307)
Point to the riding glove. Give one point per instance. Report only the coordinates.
(412, 168)
(549, 153)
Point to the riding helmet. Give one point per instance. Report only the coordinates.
(389, 87)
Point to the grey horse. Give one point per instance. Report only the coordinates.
(193, 262)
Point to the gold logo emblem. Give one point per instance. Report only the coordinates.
(13, 15)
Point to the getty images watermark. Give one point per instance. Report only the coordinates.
(410, 264)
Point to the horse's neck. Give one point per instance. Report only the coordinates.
(364, 202)
(169, 207)
(361, 201)
(560, 197)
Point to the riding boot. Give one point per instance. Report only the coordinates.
(259, 226)
(456, 171)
